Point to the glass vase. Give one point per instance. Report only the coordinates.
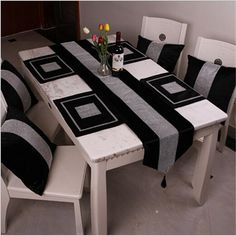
(104, 68)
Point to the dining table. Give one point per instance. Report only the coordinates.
(144, 114)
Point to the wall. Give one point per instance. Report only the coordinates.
(213, 19)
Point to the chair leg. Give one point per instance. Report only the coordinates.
(78, 218)
(223, 135)
(4, 205)
(87, 179)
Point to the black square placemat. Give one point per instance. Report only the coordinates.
(173, 90)
(86, 113)
(48, 68)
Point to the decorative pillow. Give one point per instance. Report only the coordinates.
(214, 82)
(15, 89)
(166, 55)
(26, 150)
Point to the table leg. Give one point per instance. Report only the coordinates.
(203, 166)
(98, 195)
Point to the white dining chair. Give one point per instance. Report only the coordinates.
(65, 180)
(223, 53)
(164, 31)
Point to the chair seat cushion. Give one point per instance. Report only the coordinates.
(26, 151)
(213, 81)
(14, 88)
(166, 55)
(66, 178)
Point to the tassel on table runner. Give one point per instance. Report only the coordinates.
(163, 182)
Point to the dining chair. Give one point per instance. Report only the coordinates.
(164, 30)
(65, 180)
(221, 53)
(16, 92)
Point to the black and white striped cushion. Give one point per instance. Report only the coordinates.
(166, 55)
(214, 82)
(26, 151)
(14, 88)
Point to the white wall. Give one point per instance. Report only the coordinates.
(213, 19)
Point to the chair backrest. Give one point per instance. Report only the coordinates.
(212, 50)
(164, 31)
(218, 52)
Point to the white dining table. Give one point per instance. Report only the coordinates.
(118, 146)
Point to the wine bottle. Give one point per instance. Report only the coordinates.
(117, 56)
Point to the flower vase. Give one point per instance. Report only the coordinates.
(104, 68)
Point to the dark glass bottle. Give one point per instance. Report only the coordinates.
(117, 56)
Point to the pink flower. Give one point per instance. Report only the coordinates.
(94, 37)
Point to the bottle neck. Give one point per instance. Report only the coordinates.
(118, 37)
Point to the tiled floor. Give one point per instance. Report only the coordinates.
(136, 202)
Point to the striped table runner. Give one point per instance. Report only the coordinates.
(165, 134)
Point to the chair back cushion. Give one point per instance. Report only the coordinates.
(166, 55)
(213, 81)
(15, 89)
(26, 151)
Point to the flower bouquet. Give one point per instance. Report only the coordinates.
(100, 43)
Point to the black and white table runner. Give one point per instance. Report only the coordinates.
(165, 134)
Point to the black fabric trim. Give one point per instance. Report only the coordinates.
(149, 139)
(222, 87)
(143, 44)
(174, 100)
(184, 127)
(44, 77)
(169, 56)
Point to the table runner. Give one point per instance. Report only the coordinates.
(163, 138)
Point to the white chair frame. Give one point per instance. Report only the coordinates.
(174, 31)
(210, 50)
(65, 181)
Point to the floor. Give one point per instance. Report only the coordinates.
(137, 204)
